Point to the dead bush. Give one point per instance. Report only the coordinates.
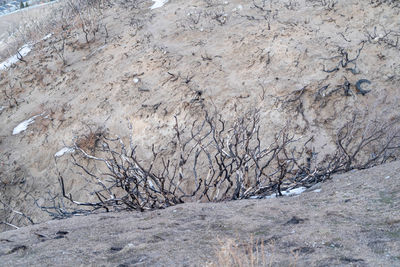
(57, 24)
(393, 3)
(216, 160)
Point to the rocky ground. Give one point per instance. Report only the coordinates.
(352, 220)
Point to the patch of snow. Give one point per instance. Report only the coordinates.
(24, 125)
(47, 37)
(387, 177)
(25, 49)
(158, 3)
(289, 193)
(238, 8)
(136, 80)
(63, 151)
(1, 108)
(151, 185)
(295, 191)
(317, 190)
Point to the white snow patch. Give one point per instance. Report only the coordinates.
(1, 108)
(24, 125)
(317, 190)
(295, 191)
(238, 8)
(158, 3)
(47, 37)
(63, 151)
(25, 49)
(289, 193)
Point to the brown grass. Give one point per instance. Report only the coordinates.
(89, 141)
(231, 252)
(255, 252)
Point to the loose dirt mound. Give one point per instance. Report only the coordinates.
(352, 220)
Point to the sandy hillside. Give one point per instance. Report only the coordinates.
(10, 23)
(352, 220)
(293, 60)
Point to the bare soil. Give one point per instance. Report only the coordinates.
(353, 221)
(175, 61)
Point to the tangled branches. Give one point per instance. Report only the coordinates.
(89, 16)
(214, 160)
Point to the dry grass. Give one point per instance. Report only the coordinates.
(256, 252)
(89, 141)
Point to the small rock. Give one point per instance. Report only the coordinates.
(116, 249)
(295, 220)
(17, 248)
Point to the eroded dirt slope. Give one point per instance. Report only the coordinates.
(352, 220)
(182, 57)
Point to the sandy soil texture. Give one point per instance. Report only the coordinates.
(174, 60)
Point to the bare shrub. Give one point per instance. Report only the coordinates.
(379, 35)
(215, 160)
(327, 4)
(12, 182)
(89, 17)
(392, 3)
(59, 23)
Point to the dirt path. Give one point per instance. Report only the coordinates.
(353, 221)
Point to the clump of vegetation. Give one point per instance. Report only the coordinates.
(216, 160)
(58, 24)
(255, 252)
